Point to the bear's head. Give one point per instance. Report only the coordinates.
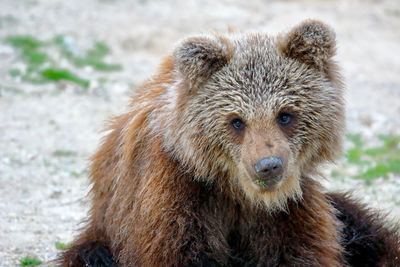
(255, 113)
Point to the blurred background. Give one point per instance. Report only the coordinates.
(66, 66)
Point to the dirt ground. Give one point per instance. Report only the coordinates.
(48, 131)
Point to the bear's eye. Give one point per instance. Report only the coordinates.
(285, 119)
(237, 124)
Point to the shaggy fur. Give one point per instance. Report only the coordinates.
(366, 238)
(173, 183)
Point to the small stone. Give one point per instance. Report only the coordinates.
(56, 194)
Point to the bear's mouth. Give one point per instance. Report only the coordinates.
(268, 184)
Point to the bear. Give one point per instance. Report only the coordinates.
(216, 163)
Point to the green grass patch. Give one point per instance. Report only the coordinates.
(10, 90)
(24, 42)
(63, 74)
(61, 246)
(75, 174)
(64, 153)
(390, 147)
(98, 51)
(335, 174)
(382, 169)
(390, 141)
(98, 64)
(34, 57)
(94, 57)
(42, 68)
(377, 161)
(15, 72)
(30, 47)
(354, 155)
(355, 139)
(30, 261)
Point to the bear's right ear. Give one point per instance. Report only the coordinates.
(197, 58)
(312, 42)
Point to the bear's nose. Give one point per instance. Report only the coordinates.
(269, 168)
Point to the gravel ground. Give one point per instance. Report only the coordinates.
(48, 131)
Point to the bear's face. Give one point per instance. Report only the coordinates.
(256, 113)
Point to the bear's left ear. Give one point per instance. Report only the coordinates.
(311, 42)
(197, 58)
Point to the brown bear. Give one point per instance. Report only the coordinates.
(216, 163)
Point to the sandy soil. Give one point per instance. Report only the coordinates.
(42, 193)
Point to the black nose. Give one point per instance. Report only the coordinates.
(269, 168)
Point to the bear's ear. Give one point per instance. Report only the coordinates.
(197, 58)
(311, 42)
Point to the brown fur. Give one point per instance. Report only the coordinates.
(173, 183)
(367, 239)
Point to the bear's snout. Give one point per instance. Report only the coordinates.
(269, 170)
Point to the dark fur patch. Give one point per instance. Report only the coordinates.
(366, 238)
(91, 254)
